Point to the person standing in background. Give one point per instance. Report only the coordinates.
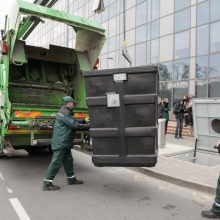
(190, 115)
(179, 111)
(160, 108)
(166, 110)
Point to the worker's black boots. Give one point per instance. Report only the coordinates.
(74, 181)
(49, 186)
(210, 214)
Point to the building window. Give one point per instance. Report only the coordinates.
(140, 54)
(139, 1)
(112, 10)
(155, 51)
(181, 69)
(214, 88)
(112, 44)
(215, 6)
(112, 27)
(141, 14)
(105, 15)
(141, 33)
(182, 44)
(166, 25)
(201, 88)
(214, 69)
(202, 67)
(203, 13)
(202, 40)
(215, 37)
(182, 20)
(155, 10)
(166, 71)
(130, 37)
(166, 90)
(166, 48)
(179, 4)
(180, 89)
(130, 19)
(129, 4)
(155, 29)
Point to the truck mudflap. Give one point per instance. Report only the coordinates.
(9, 151)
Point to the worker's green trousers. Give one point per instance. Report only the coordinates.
(60, 157)
(216, 204)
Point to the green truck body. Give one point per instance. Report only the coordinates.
(33, 80)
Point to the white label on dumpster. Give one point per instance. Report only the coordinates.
(112, 100)
(120, 77)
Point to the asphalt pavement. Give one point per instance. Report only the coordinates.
(108, 193)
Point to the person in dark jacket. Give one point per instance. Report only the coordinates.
(160, 108)
(62, 142)
(179, 110)
(166, 112)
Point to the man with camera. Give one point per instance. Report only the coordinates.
(215, 210)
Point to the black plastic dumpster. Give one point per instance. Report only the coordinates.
(123, 114)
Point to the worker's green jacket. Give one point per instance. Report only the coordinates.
(64, 129)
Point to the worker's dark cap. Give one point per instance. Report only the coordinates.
(68, 99)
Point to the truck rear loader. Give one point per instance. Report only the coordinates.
(33, 79)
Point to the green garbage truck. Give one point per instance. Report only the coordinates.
(33, 79)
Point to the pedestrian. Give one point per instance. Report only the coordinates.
(62, 142)
(160, 108)
(214, 212)
(166, 112)
(179, 110)
(190, 116)
(186, 115)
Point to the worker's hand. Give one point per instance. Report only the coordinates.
(83, 127)
(87, 120)
(87, 127)
(217, 144)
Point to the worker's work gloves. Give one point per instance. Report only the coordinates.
(83, 127)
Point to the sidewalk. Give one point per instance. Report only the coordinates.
(184, 173)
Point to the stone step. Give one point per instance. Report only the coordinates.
(172, 128)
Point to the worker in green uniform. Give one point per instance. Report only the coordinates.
(62, 142)
(215, 210)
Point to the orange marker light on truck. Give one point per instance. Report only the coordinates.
(80, 115)
(29, 114)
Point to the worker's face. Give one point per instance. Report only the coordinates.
(71, 105)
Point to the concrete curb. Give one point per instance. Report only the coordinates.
(168, 178)
(176, 180)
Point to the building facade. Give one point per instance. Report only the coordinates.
(182, 36)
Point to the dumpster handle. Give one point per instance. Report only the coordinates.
(17, 63)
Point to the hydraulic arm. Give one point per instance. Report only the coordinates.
(30, 22)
